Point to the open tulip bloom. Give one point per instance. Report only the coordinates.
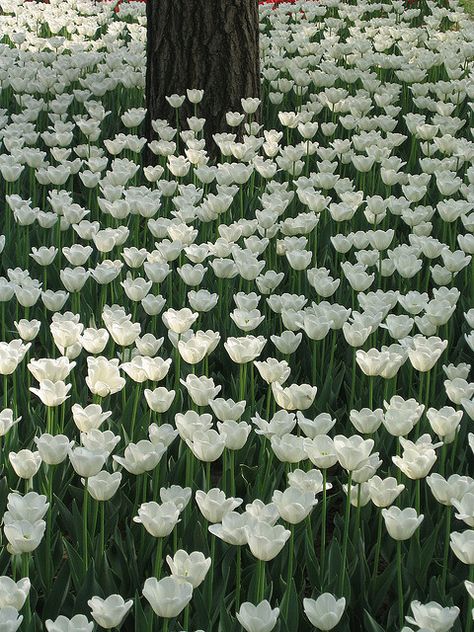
(236, 363)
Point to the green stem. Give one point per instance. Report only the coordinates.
(85, 505)
(291, 553)
(470, 602)
(323, 525)
(232, 472)
(260, 581)
(158, 559)
(345, 536)
(238, 574)
(377, 545)
(102, 531)
(25, 564)
(444, 575)
(400, 584)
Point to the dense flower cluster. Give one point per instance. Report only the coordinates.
(238, 394)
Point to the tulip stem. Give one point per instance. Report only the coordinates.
(135, 410)
(232, 472)
(444, 575)
(243, 380)
(345, 536)
(186, 618)
(238, 572)
(260, 580)
(418, 505)
(165, 625)
(323, 526)
(377, 545)
(102, 531)
(399, 582)
(208, 475)
(158, 559)
(470, 602)
(291, 552)
(85, 505)
(25, 563)
(371, 392)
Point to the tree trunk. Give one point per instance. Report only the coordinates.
(212, 45)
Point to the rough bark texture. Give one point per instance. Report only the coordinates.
(211, 45)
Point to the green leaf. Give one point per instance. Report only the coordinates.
(370, 625)
(57, 595)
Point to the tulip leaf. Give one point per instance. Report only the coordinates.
(370, 625)
(58, 593)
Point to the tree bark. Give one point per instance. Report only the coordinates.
(211, 45)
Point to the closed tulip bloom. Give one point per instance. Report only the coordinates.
(13, 594)
(280, 424)
(214, 504)
(167, 597)
(158, 520)
(190, 567)
(206, 445)
(325, 612)
(25, 463)
(164, 434)
(321, 451)
(235, 434)
(180, 320)
(201, 389)
(10, 620)
(160, 399)
(54, 370)
(320, 425)
(310, 481)
(424, 352)
(190, 422)
(24, 536)
(6, 421)
(244, 349)
(401, 415)
(141, 457)
(78, 623)
(383, 492)
(110, 612)
(103, 376)
(414, 463)
(31, 506)
(85, 462)
(227, 409)
(103, 485)
(273, 370)
(288, 448)
(444, 422)
(401, 524)
(266, 541)
(259, 618)
(295, 396)
(366, 421)
(465, 508)
(52, 393)
(433, 616)
(455, 487)
(352, 451)
(288, 342)
(53, 449)
(232, 530)
(293, 504)
(462, 544)
(176, 494)
(89, 418)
